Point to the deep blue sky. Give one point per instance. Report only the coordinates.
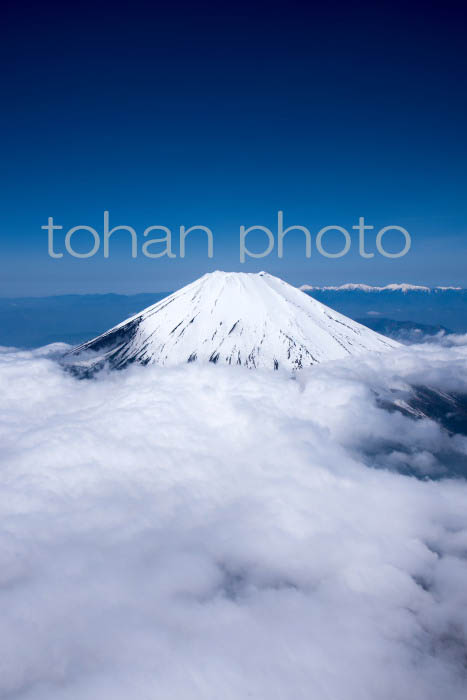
(219, 114)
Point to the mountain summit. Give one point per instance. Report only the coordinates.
(235, 318)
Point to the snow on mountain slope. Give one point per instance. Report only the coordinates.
(254, 320)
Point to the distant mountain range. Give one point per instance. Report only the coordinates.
(32, 322)
(403, 287)
(29, 322)
(435, 306)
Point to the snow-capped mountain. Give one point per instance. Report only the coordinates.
(254, 320)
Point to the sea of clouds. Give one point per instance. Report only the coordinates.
(208, 532)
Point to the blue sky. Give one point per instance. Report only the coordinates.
(222, 115)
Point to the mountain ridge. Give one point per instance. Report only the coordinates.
(403, 287)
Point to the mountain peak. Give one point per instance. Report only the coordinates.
(231, 274)
(239, 318)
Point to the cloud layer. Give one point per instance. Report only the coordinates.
(208, 532)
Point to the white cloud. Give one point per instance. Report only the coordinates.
(208, 532)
